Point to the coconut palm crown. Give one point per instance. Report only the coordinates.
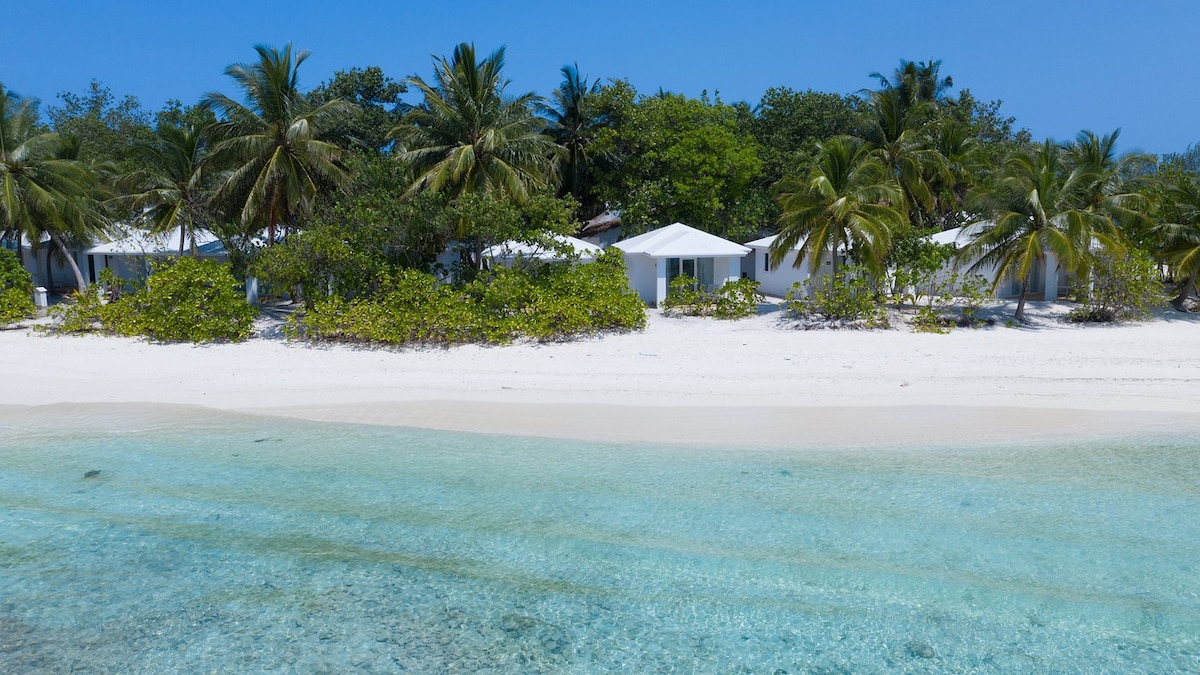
(1039, 203)
(44, 189)
(469, 137)
(846, 200)
(273, 144)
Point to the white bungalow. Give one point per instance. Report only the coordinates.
(1049, 280)
(777, 282)
(654, 259)
(129, 256)
(508, 253)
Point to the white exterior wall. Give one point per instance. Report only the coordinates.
(61, 276)
(646, 277)
(725, 270)
(777, 282)
(1054, 279)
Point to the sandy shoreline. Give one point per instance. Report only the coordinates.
(748, 382)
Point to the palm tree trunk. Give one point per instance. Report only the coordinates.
(1020, 313)
(182, 240)
(80, 283)
(1183, 291)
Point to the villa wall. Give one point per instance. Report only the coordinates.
(777, 282)
(645, 276)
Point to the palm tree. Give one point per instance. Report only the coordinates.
(1038, 204)
(468, 137)
(847, 200)
(916, 83)
(274, 143)
(574, 127)
(904, 147)
(964, 163)
(44, 189)
(171, 193)
(1111, 189)
(1179, 236)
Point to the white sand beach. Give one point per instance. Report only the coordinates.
(754, 382)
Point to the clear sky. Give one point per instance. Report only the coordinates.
(1059, 65)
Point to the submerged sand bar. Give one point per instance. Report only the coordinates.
(682, 380)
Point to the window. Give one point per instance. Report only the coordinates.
(766, 261)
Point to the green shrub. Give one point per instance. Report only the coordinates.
(950, 299)
(850, 301)
(916, 265)
(16, 290)
(735, 299)
(542, 302)
(1124, 288)
(186, 300)
(927, 320)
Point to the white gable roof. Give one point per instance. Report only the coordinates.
(680, 241)
(512, 249)
(960, 235)
(946, 236)
(767, 242)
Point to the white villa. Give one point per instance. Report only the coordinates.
(1049, 280)
(654, 259)
(129, 256)
(777, 282)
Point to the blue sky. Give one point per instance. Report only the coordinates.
(1059, 65)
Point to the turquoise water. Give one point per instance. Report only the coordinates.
(244, 545)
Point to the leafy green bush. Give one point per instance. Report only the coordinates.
(316, 261)
(950, 299)
(916, 268)
(547, 302)
(186, 300)
(1124, 288)
(16, 290)
(735, 299)
(850, 301)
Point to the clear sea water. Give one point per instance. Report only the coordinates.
(238, 544)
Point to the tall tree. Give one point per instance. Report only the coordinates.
(44, 188)
(847, 201)
(681, 159)
(1177, 236)
(1038, 204)
(274, 144)
(170, 193)
(378, 99)
(574, 124)
(788, 124)
(902, 134)
(108, 128)
(916, 84)
(468, 136)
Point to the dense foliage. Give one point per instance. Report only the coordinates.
(1124, 288)
(545, 303)
(16, 290)
(187, 300)
(846, 301)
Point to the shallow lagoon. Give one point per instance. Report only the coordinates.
(248, 544)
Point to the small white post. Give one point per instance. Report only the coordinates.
(252, 291)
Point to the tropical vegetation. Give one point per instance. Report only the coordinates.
(364, 190)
